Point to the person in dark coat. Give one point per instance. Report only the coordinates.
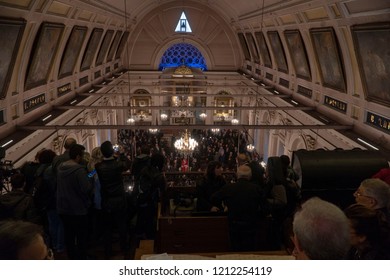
(69, 142)
(113, 195)
(153, 185)
(74, 197)
(208, 185)
(243, 202)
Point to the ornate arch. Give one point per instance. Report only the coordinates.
(183, 54)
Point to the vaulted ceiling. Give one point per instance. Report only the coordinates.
(220, 30)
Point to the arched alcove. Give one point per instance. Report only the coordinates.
(183, 54)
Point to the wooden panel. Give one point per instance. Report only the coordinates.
(193, 234)
(179, 235)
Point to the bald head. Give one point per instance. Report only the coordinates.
(244, 172)
(69, 142)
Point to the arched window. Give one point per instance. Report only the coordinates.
(183, 54)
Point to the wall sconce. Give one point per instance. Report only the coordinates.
(130, 120)
(163, 117)
(203, 116)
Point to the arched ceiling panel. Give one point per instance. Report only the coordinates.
(210, 31)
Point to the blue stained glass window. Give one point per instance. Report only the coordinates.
(183, 53)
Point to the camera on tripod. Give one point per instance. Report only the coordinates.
(6, 171)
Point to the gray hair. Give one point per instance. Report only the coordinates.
(322, 230)
(244, 172)
(377, 189)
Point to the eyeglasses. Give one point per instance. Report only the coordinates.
(357, 193)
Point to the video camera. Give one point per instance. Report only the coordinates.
(6, 171)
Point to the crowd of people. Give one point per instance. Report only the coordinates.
(68, 202)
(223, 145)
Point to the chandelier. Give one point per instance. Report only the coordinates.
(215, 130)
(235, 121)
(203, 116)
(185, 144)
(250, 148)
(164, 117)
(131, 120)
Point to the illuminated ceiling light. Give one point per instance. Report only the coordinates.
(368, 144)
(277, 92)
(294, 102)
(235, 121)
(153, 130)
(186, 144)
(6, 144)
(46, 118)
(164, 117)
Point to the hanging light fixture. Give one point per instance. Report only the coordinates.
(185, 144)
(215, 130)
(235, 121)
(163, 117)
(203, 116)
(153, 130)
(130, 120)
(250, 148)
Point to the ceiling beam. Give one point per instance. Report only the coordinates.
(110, 107)
(171, 94)
(181, 127)
(160, 85)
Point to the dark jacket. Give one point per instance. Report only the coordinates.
(111, 182)
(58, 160)
(243, 200)
(18, 205)
(45, 185)
(74, 189)
(140, 162)
(257, 173)
(152, 185)
(205, 188)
